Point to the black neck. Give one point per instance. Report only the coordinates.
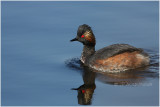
(88, 50)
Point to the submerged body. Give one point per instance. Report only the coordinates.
(114, 58)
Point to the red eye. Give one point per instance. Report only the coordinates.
(83, 91)
(82, 36)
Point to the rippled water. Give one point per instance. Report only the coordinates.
(40, 67)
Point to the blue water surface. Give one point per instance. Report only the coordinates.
(40, 66)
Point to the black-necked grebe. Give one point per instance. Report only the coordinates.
(114, 58)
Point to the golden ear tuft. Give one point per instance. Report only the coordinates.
(89, 36)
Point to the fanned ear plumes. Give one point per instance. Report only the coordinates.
(89, 37)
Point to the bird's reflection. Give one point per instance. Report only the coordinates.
(85, 91)
(134, 77)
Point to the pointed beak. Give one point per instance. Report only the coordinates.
(74, 89)
(75, 39)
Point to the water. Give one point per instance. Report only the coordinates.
(40, 67)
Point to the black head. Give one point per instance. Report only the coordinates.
(85, 35)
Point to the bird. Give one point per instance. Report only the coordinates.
(113, 58)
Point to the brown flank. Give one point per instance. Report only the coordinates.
(127, 60)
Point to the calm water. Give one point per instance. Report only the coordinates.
(41, 67)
